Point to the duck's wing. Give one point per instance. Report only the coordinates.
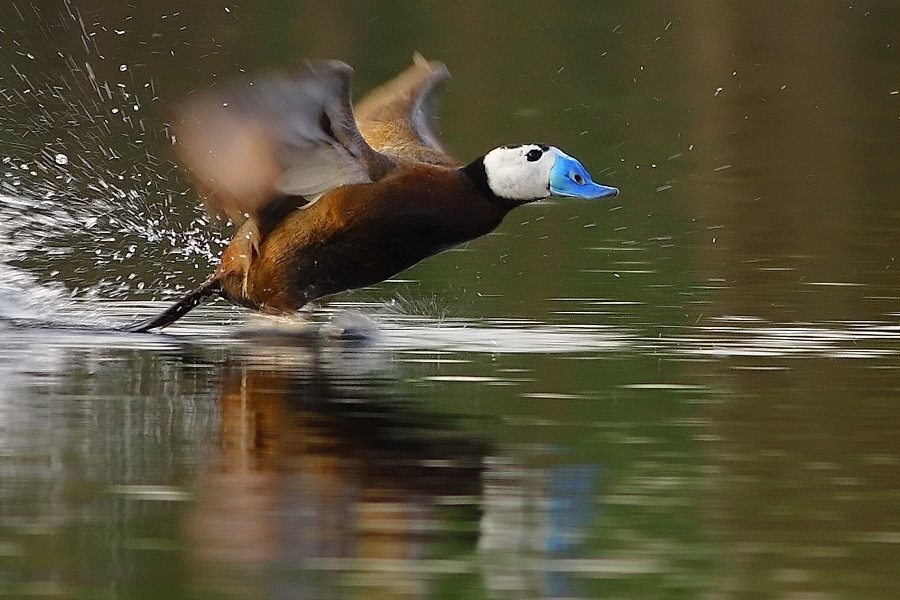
(262, 140)
(396, 118)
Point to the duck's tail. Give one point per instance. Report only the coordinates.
(177, 310)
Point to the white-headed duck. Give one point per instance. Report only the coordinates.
(328, 201)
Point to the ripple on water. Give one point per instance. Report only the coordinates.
(751, 337)
(25, 301)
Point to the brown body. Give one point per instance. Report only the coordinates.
(356, 235)
(360, 234)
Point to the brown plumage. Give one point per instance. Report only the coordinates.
(326, 200)
(358, 235)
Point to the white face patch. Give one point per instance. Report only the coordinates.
(520, 172)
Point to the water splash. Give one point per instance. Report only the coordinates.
(88, 195)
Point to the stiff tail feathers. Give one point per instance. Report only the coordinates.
(177, 310)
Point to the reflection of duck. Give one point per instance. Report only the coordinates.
(329, 201)
(316, 469)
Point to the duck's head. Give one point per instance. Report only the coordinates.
(530, 172)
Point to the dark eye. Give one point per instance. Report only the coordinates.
(578, 179)
(533, 155)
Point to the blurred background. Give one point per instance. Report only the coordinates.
(688, 391)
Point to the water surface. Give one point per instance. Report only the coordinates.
(689, 391)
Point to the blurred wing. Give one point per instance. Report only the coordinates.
(276, 136)
(396, 118)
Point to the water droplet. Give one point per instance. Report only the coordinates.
(123, 67)
(61, 159)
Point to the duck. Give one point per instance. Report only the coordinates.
(327, 199)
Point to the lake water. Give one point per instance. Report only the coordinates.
(688, 391)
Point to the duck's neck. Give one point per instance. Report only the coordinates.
(477, 174)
